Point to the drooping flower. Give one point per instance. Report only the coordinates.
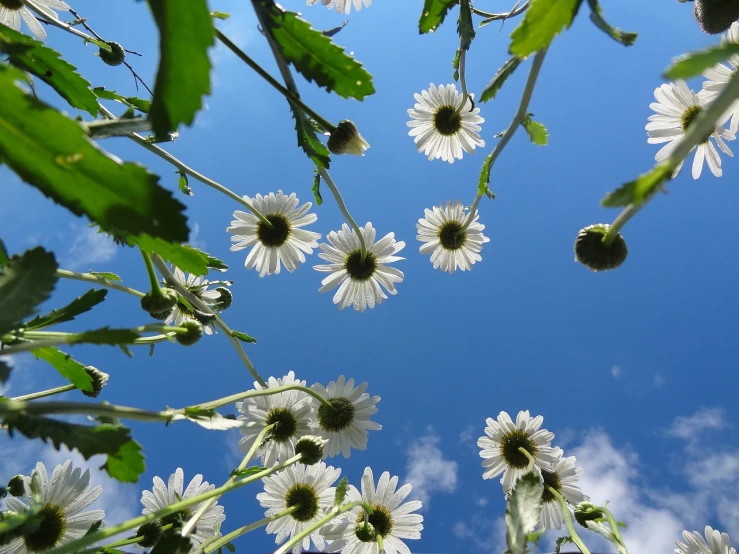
(346, 139)
(718, 76)
(345, 427)
(309, 488)
(342, 5)
(283, 243)
(163, 495)
(64, 498)
(12, 11)
(359, 280)
(392, 519)
(441, 130)
(676, 108)
(200, 287)
(563, 478)
(292, 411)
(714, 543)
(443, 236)
(500, 447)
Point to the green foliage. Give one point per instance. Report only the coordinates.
(542, 22)
(46, 64)
(536, 131)
(216, 264)
(455, 64)
(247, 472)
(596, 16)
(313, 54)
(106, 275)
(130, 101)
(185, 257)
(340, 493)
(465, 26)
(561, 541)
(66, 365)
(125, 462)
(172, 542)
(105, 335)
(183, 183)
(500, 78)
(695, 63)
(636, 191)
(308, 141)
(25, 281)
(68, 168)
(243, 337)
(317, 188)
(523, 511)
(434, 12)
(185, 34)
(78, 306)
(103, 128)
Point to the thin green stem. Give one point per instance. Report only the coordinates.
(568, 520)
(462, 77)
(471, 217)
(342, 207)
(123, 542)
(153, 279)
(52, 19)
(247, 528)
(532, 460)
(213, 404)
(12, 407)
(43, 393)
(156, 339)
(507, 15)
(91, 278)
(614, 525)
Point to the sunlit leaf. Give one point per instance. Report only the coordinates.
(596, 16)
(537, 132)
(434, 12)
(465, 26)
(78, 306)
(695, 63)
(500, 78)
(542, 22)
(636, 191)
(66, 365)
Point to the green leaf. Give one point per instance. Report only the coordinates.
(313, 54)
(523, 512)
(434, 12)
(596, 16)
(340, 493)
(695, 63)
(636, 191)
(455, 64)
(125, 462)
(185, 34)
(106, 275)
(537, 132)
(543, 21)
(185, 257)
(499, 78)
(66, 365)
(220, 15)
(78, 306)
(4, 371)
(243, 337)
(465, 27)
(183, 183)
(68, 168)
(131, 101)
(25, 282)
(247, 472)
(216, 264)
(561, 541)
(104, 128)
(308, 141)
(317, 188)
(105, 335)
(46, 64)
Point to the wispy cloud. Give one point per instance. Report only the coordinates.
(616, 371)
(690, 428)
(89, 247)
(428, 470)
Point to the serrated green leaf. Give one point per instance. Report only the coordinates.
(596, 16)
(695, 63)
(185, 34)
(183, 184)
(317, 188)
(243, 337)
(636, 191)
(434, 12)
(78, 306)
(500, 78)
(542, 22)
(335, 30)
(523, 511)
(455, 64)
(125, 462)
(69, 169)
(185, 257)
(465, 27)
(216, 264)
(340, 493)
(106, 275)
(247, 472)
(66, 365)
(4, 371)
(536, 131)
(140, 104)
(313, 54)
(46, 64)
(25, 282)
(308, 141)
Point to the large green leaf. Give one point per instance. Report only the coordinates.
(523, 512)
(434, 12)
(543, 21)
(46, 64)
(185, 34)
(308, 141)
(465, 26)
(66, 365)
(313, 54)
(78, 306)
(695, 63)
(185, 257)
(636, 191)
(25, 282)
(67, 167)
(125, 462)
(499, 78)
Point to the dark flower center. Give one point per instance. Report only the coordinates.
(360, 270)
(380, 519)
(447, 121)
(12, 5)
(305, 498)
(286, 424)
(339, 418)
(509, 448)
(50, 530)
(277, 234)
(450, 236)
(689, 116)
(551, 479)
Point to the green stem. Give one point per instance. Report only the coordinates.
(532, 460)
(342, 207)
(123, 542)
(471, 216)
(153, 279)
(462, 77)
(614, 525)
(90, 278)
(156, 339)
(51, 19)
(43, 393)
(507, 15)
(213, 404)
(568, 520)
(246, 528)
(12, 407)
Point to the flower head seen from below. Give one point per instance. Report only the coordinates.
(676, 108)
(64, 498)
(284, 243)
(200, 287)
(443, 235)
(12, 11)
(308, 490)
(563, 478)
(440, 129)
(500, 447)
(342, 6)
(391, 518)
(291, 410)
(345, 427)
(163, 495)
(718, 76)
(714, 543)
(360, 281)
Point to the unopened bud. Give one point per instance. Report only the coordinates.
(99, 379)
(715, 16)
(159, 305)
(592, 252)
(311, 448)
(116, 55)
(151, 532)
(194, 332)
(224, 300)
(587, 511)
(16, 486)
(345, 139)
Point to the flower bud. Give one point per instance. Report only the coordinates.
(311, 448)
(365, 532)
(715, 16)
(194, 332)
(345, 139)
(99, 379)
(115, 56)
(159, 305)
(587, 511)
(592, 252)
(16, 486)
(151, 532)
(224, 300)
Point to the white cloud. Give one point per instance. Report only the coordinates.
(468, 435)
(195, 240)
(659, 381)
(616, 372)
(427, 469)
(692, 427)
(89, 247)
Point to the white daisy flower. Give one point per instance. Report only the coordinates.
(677, 107)
(440, 130)
(200, 287)
(342, 5)
(359, 281)
(163, 495)
(442, 236)
(715, 543)
(291, 410)
(391, 519)
(309, 488)
(284, 243)
(12, 11)
(564, 480)
(346, 426)
(500, 448)
(64, 498)
(719, 75)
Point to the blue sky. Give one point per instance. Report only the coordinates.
(612, 361)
